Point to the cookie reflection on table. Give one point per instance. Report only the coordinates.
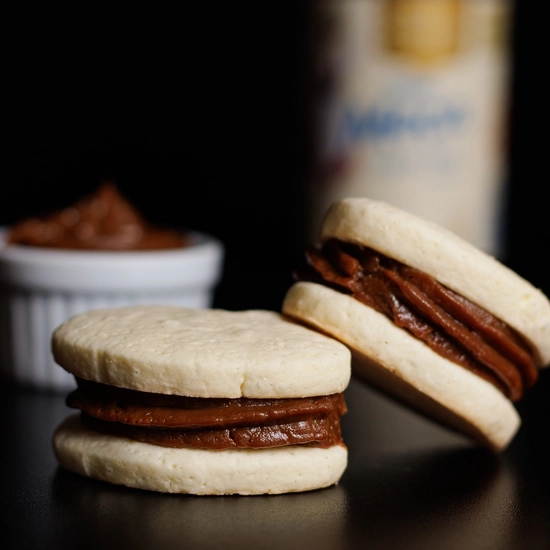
(284, 521)
(463, 497)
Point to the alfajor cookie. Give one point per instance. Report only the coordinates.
(430, 319)
(202, 401)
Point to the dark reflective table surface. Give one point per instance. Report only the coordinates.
(409, 484)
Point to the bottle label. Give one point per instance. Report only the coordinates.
(413, 110)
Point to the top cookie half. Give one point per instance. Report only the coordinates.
(449, 259)
(201, 352)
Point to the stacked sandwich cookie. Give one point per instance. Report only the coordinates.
(202, 401)
(430, 319)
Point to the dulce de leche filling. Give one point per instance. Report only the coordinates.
(102, 221)
(215, 423)
(451, 325)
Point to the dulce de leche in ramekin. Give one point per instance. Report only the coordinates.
(99, 252)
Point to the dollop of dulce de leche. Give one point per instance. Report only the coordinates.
(102, 221)
(447, 322)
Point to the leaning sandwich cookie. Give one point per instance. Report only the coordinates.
(430, 319)
(202, 401)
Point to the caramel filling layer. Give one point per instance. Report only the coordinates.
(177, 421)
(451, 325)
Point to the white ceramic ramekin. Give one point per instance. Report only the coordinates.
(40, 288)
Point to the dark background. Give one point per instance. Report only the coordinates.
(201, 117)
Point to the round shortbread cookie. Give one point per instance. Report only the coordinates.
(202, 352)
(405, 367)
(139, 465)
(449, 259)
